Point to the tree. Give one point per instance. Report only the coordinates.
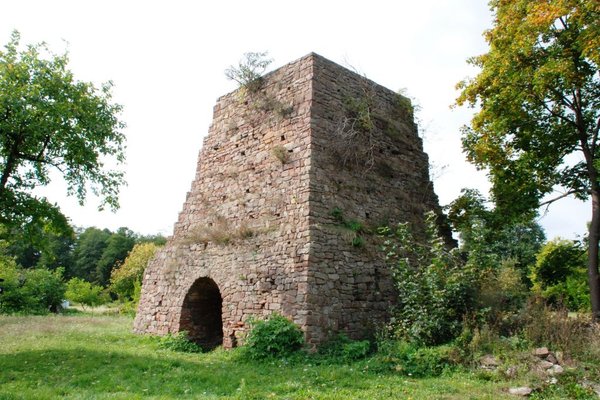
(124, 279)
(88, 250)
(435, 288)
(488, 239)
(85, 293)
(249, 71)
(538, 94)
(33, 291)
(51, 121)
(44, 241)
(118, 246)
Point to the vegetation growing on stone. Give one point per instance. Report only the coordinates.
(248, 73)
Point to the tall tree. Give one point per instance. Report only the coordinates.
(489, 238)
(51, 121)
(88, 250)
(118, 246)
(538, 94)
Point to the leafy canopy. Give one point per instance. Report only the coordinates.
(85, 293)
(128, 276)
(539, 95)
(29, 291)
(51, 121)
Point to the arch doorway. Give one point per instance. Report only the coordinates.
(201, 314)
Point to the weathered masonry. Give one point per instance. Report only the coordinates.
(289, 180)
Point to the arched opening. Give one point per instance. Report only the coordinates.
(201, 314)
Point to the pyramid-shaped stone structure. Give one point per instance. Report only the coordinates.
(291, 182)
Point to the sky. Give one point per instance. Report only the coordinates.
(167, 61)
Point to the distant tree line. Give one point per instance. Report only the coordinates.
(39, 269)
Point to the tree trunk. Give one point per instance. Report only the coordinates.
(594, 238)
(8, 169)
(11, 163)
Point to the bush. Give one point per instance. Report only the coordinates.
(435, 288)
(86, 293)
(573, 293)
(274, 337)
(344, 349)
(30, 291)
(179, 342)
(501, 296)
(248, 72)
(556, 260)
(411, 360)
(560, 275)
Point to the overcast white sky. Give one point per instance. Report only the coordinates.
(167, 59)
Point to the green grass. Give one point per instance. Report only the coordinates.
(97, 357)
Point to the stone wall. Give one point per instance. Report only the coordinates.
(244, 224)
(284, 178)
(368, 169)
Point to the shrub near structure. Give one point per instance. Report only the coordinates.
(435, 287)
(342, 348)
(274, 337)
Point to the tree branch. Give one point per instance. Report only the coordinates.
(562, 196)
(42, 160)
(44, 146)
(557, 115)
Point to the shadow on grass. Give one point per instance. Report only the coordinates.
(83, 373)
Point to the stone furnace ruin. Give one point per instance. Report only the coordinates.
(293, 178)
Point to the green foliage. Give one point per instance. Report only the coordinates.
(538, 100)
(51, 121)
(98, 357)
(85, 293)
(489, 239)
(179, 342)
(411, 360)
(97, 252)
(275, 337)
(124, 279)
(501, 296)
(573, 293)
(356, 228)
(157, 239)
(118, 246)
(11, 297)
(342, 348)
(559, 274)
(435, 288)
(556, 261)
(568, 387)
(359, 113)
(404, 105)
(43, 240)
(556, 329)
(249, 71)
(30, 291)
(88, 250)
(539, 97)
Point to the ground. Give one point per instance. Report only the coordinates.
(97, 357)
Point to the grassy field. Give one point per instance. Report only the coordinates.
(97, 357)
